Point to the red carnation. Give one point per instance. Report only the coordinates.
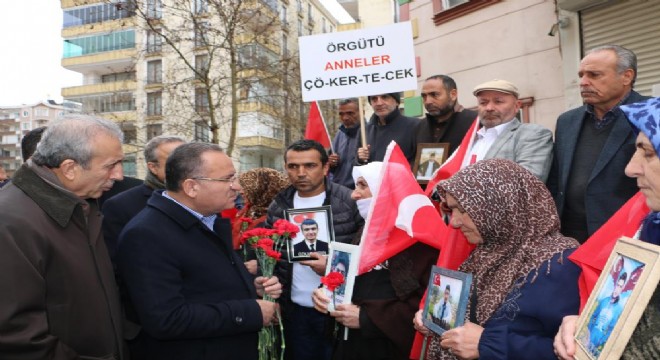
(265, 243)
(286, 227)
(274, 254)
(333, 280)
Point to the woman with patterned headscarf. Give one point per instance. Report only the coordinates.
(523, 283)
(645, 167)
(260, 186)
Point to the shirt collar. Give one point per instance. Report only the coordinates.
(499, 129)
(208, 221)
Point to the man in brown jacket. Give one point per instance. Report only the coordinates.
(58, 298)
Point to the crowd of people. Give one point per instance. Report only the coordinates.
(157, 272)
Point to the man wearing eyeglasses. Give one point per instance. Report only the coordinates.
(193, 295)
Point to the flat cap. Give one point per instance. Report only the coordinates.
(497, 85)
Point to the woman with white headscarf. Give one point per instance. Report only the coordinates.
(385, 298)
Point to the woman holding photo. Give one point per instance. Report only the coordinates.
(384, 298)
(523, 284)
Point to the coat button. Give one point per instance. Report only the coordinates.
(238, 320)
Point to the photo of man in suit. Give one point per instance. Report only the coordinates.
(310, 230)
(428, 167)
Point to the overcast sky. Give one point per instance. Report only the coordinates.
(31, 51)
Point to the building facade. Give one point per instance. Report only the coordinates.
(206, 70)
(16, 121)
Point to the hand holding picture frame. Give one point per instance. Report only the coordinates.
(446, 300)
(428, 159)
(618, 300)
(343, 258)
(316, 232)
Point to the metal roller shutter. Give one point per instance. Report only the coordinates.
(633, 24)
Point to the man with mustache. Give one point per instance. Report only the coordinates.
(594, 142)
(446, 121)
(387, 124)
(503, 136)
(59, 298)
(306, 164)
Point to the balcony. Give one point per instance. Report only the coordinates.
(102, 63)
(102, 88)
(259, 142)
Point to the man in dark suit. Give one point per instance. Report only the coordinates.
(194, 297)
(446, 121)
(121, 208)
(428, 167)
(594, 142)
(310, 230)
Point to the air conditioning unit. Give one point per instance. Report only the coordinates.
(579, 5)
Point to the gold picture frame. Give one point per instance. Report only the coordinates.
(428, 159)
(618, 300)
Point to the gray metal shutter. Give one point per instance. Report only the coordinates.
(633, 24)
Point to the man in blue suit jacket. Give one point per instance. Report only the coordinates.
(594, 142)
(193, 295)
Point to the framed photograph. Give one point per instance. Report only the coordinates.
(428, 159)
(446, 300)
(316, 232)
(343, 258)
(616, 304)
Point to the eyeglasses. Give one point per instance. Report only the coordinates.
(230, 180)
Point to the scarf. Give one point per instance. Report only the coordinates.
(517, 219)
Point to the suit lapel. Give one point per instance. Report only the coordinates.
(618, 136)
(503, 139)
(572, 130)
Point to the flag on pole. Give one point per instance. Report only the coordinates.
(453, 164)
(593, 254)
(316, 129)
(400, 214)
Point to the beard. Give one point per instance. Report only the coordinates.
(443, 111)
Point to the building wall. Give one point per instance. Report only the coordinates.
(507, 40)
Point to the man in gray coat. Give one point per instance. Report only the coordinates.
(59, 298)
(503, 136)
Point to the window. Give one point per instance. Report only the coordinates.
(201, 6)
(201, 66)
(200, 34)
(299, 6)
(107, 78)
(26, 113)
(448, 4)
(446, 10)
(129, 165)
(283, 15)
(130, 132)
(154, 42)
(201, 101)
(26, 126)
(154, 9)
(285, 45)
(154, 104)
(309, 13)
(154, 130)
(300, 28)
(155, 72)
(323, 26)
(201, 131)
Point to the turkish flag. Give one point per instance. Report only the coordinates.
(454, 247)
(593, 254)
(316, 129)
(400, 214)
(453, 164)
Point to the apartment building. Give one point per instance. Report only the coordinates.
(207, 70)
(16, 121)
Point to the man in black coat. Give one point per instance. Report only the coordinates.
(594, 142)
(306, 164)
(193, 295)
(446, 121)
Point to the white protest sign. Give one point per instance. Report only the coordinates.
(357, 63)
